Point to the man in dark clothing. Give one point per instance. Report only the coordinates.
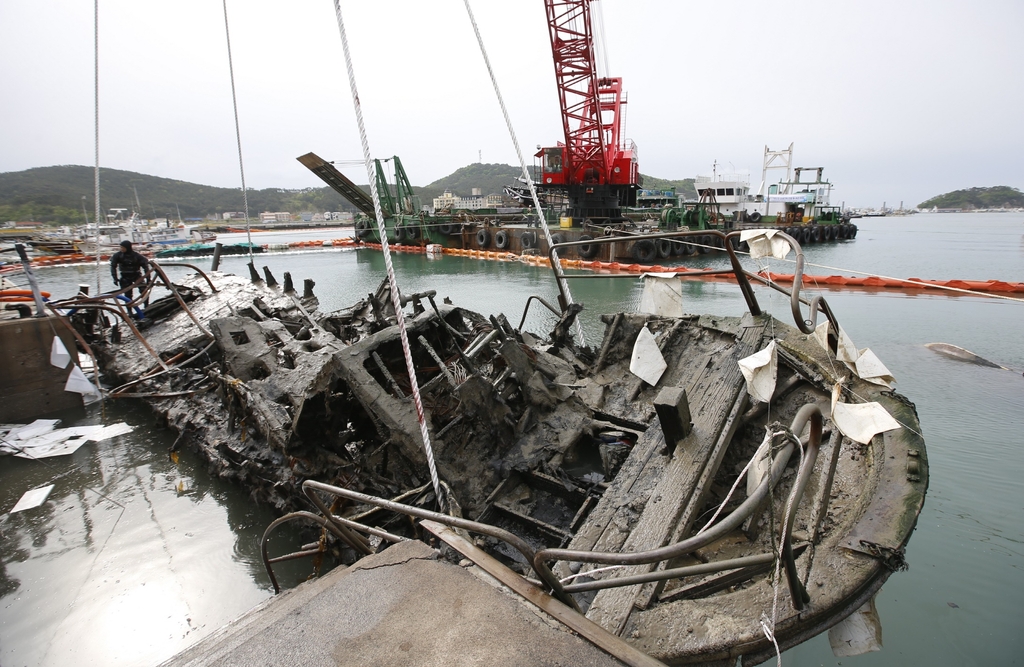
(133, 266)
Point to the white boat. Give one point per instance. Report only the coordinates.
(793, 197)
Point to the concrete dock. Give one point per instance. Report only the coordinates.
(401, 607)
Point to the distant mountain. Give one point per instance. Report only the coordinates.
(54, 194)
(490, 178)
(1000, 196)
(683, 186)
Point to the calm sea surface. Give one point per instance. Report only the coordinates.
(134, 557)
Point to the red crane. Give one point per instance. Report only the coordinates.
(595, 166)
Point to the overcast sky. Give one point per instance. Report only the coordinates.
(899, 100)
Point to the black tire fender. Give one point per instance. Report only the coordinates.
(588, 251)
(644, 251)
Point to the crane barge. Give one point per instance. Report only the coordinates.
(589, 181)
(595, 166)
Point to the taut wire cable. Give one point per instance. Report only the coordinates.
(238, 132)
(522, 163)
(96, 110)
(396, 296)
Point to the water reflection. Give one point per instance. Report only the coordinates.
(131, 558)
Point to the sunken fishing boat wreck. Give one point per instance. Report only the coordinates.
(708, 489)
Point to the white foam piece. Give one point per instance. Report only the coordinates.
(32, 498)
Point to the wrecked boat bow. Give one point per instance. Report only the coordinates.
(706, 488)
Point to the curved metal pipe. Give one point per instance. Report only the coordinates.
(817, 303)
(354, 540)
(811, 412)
(515, 541)
(181, 302)
(741, 276)
(526, 309)
(282, 520)
(131, 325)
(197, 270)
(738, 273)
(719, 530)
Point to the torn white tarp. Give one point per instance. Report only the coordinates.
(33, 498)
(765, 243)
(662, 295)
(760, 370)
(58, 446)
(58, 442)
(870, 368)
(647, 363)
(860, 421)
(38, 427)
(864, 363)
(59, 355)
(846, 351)
(77, 382)
(860, 632)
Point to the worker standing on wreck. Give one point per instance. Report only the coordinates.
(132, 265)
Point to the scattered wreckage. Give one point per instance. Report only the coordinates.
(710, 489)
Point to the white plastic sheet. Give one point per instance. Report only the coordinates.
(765, 243)
(38, 427)
(860, 421)
(662, 295)
(870, 368)
(33, 498)
(77, 382)
(59, 355)
(859, 633)
(56, 442)
(647, 363)
(761, 370)
(864, 362)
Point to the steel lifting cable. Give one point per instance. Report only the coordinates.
(96, 110)
(238, 133)
(396, 297)
(526, 173)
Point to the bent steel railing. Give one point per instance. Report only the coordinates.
(743, 277)
(539, 559)
(114, 302)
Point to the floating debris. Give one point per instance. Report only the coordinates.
(40, 440)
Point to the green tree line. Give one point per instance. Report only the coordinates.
(1000, 196)
(57, 195)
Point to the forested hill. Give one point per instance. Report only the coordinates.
(490, 178)
(683, 186)
(1000, 196)
(54, 194)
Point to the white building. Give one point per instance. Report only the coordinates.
(450, 202)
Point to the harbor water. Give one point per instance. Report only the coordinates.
(136, 556)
